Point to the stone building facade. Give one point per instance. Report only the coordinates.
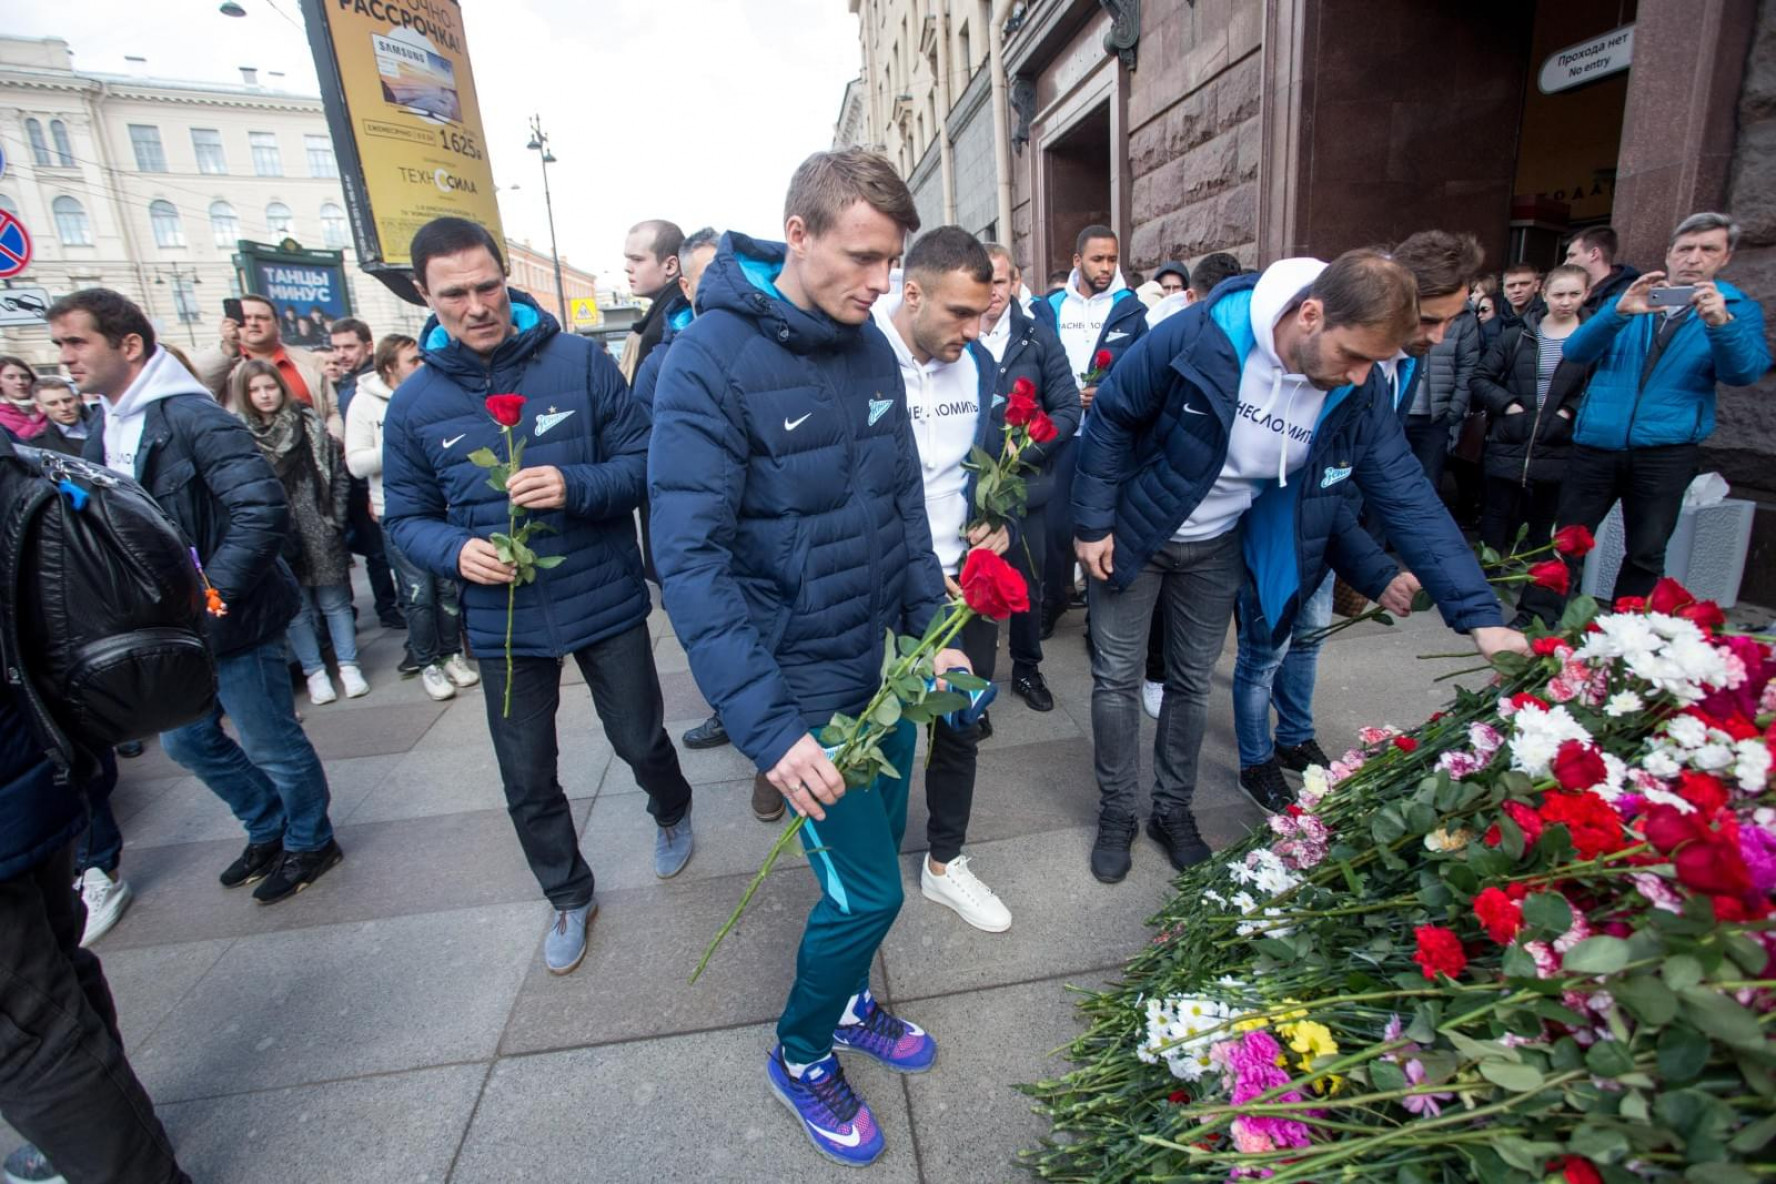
(1276, 127)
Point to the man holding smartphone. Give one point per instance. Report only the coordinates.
(1659, 350)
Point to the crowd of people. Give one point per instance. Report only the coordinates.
(794, 420)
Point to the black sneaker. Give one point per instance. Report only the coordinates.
(1264, 784)
(1177, 833)
(1297, 757)
(130, 748)
(1034, 691)
(708, 734)
(986, 727)
(296, 871)
(408, 668)
(1110, 853)
(254, 864)
(1051, 618)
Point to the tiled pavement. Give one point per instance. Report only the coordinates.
(395, 1023)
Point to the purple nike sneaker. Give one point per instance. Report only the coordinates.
(899, 1044)
(834, 1118)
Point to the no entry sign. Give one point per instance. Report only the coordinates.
(15, 246)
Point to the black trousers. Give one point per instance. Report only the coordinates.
(1030, 557)
(1057, 576)
(1509, 504)
(625, 690)
(1650, 483)
(364, 536)
(949, 775)
(65, 1083)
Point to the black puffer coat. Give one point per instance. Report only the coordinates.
(1535, 445)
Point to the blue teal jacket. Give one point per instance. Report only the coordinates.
(1126, 324)
(1675, 403)
(648, 376)
(1157, 438)
(578, 417)
(788, 513)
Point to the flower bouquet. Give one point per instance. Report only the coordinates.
(1533, 939)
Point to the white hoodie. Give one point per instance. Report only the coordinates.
(163, 377)
(1277, 413)
(1081, 320)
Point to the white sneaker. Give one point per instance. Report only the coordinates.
(352, 679)
(320, 689)
(460, 672)
(1152, 695)
(958, 889)
(437, 684)
(105, 900)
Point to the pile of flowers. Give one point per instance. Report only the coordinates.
(1532, 939)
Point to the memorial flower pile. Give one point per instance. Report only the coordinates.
(1532, 939)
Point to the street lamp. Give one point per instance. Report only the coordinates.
(539, 142)
(179, 277)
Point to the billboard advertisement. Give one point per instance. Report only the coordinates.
(400, 100)
(306, 287)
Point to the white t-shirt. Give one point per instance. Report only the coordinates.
(943, 403)
(999, 336)
(1278, 412)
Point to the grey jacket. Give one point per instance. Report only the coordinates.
(1449, 369)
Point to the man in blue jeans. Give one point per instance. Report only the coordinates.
(582, 474)
(1234, 438)
(790, 534)
(164, 429)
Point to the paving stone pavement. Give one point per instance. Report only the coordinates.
(395, 1023)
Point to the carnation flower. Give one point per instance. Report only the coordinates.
(1623, 703)
(1751, 765)
(1460, 764)
(1501, 916)
(1595, 827)
(1485, 738)
(1439, 952)
(1445, 841)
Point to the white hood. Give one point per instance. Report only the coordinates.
(371, 383)
(1117, 284)
(1168, 306)
(162, 378)
(1276, 291)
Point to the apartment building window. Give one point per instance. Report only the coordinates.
(168, 232)
(72, 226)
(64, 148)
(964, 51)
(150, 156)
(224, 224)
(206, 142)
(266, 161)
(39, 145)
(334, 233)
(321, 162)
(185, 300)
(279, 218)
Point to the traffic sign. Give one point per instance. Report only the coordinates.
(15, 246)
(23, 306)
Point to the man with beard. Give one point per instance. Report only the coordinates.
(1234, 438)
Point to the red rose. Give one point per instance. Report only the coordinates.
(1501, 915)
(1574, 540)
(1594, 825)
(1102, 359)
(1669, 596)
(1405, 744)
(1042, 428)
(1021, 408)
(1023, 388)
(1702, 791)
(1549, 647)
(1712, 864)
(1524, 699)
(992, 587)
(1439, 952)
(1178, 1098)
(507, 410)
(1576, 1169)
(1667, 828)
(1631, 604)
(1552, 575)
(1705, 613)
(1578, 765)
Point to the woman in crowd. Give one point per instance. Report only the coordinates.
(1533, 395)
(434, 632)
(308, 462)
(19, 413)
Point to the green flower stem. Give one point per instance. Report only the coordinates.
(511, 588)
(938, 634)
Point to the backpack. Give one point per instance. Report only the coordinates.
(102, 604)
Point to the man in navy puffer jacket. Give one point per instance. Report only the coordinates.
(583, 468)
(790, 533)
(1234, 438)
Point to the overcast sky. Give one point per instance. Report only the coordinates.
(693, 110)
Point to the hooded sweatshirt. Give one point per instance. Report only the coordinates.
(161, 378)
(1081, 319)
(1277, 413)
(363, 433)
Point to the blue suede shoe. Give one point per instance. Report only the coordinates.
(672, 847)
(565, 946)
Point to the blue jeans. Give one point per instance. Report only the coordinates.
(1267, 676)
(102, 845)
(334, 602)
(432, 607)
(272, 779)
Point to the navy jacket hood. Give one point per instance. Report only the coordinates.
(742, 279)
